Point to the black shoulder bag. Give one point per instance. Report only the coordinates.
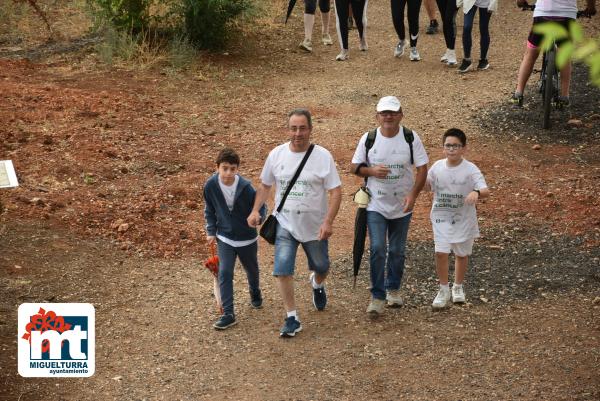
(269, 228)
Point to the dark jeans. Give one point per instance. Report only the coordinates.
(249, 261)
(484, 31)
(448, 13)
(388, 241)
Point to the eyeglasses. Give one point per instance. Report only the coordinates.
(388, 113)
(301, 128)
(452, 146)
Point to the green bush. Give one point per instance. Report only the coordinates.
(206, 22)
(125, 15)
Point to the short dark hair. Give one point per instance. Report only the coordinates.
(457, 133)
(228, 155)
(301, 112)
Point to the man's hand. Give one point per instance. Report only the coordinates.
(472, 198)
(379, 171)
(325, 230)
(253, 219)
(409, 203)
(211, 239)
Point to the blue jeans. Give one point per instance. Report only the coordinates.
(286, 247)
(249, 261)
(484, 31)
(388, 240)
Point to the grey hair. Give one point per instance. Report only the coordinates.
(301, 112)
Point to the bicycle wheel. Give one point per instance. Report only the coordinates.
(549, 88)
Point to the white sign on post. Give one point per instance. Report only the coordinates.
(8, 177)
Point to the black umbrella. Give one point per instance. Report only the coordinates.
(291, 5)
(361, 197)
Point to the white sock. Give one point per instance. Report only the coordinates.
(292, 313)
(309, 22)
(314, 283)
(445, 287)
(456, 285)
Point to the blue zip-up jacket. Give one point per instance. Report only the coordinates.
(220, 220)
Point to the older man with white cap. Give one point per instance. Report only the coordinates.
(385, 157)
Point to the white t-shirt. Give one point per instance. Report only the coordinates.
(452, 219)
(388, 194)
(229, 195)
(555, 8)
(305, 208)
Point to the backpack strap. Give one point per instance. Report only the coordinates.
(409, 137)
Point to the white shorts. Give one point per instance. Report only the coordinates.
(459, 248)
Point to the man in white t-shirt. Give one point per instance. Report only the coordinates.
(457, 185)
(307, 215)
(388, 166)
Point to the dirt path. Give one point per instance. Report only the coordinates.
(98, 150)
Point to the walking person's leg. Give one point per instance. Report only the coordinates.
(325, 7)
(433, 23)
(317, 253)
(414, 9)
(227, 255)
(397, 7)
(467, 40)
(310, 7)
(484, 41)
(249, 260)
(377, 227)
(397, 235)
(341, 23)
(359, 9)
(286, 248)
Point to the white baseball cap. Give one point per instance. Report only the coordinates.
(388, 103)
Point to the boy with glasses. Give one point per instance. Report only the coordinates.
(457, 185)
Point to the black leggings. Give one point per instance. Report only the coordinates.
(448, 12)
(310, 6)
(414, 7)
(359, 8)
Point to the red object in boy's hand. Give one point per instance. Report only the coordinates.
(212, 263)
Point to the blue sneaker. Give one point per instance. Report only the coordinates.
(290, 327)
(256, 299)
(319, 295)
(224, 322)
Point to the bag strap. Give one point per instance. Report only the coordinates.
(295, 177)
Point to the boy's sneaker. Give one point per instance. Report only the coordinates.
(376, 307)
(224, 322)
(399, 50)
(343, 56)
(444, 58)
(451, 58)
(306, 45)
(394, 300)
(458, 294)
(319, 295)
(256, 299)
(432, 28)
(441, 299)
(414, 54)
(290, 327)
(562, 102)
(483, 64)
(516, 100)
(465, 66)
(327, 39)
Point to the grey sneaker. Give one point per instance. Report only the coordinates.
(343, 56)
(414, 54)
(306, 45)
(399, 50)
(376, 307)
(458, 294)
(363, 47)
(327, 39)
(394, 300)
(441, 299)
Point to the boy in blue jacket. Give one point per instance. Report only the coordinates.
(228, 199)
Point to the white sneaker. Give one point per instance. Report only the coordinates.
(444, 58)
(394, 300)
(458, 294)
(306, 45)
(343, 56)
(376, 307)
(451, 62)
(414, 54)
(441, 299)
(363, 47)
(399, 50)
(327, 39)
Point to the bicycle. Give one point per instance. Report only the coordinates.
(549, 84)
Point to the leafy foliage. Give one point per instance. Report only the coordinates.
(126, 15)
(576, 47)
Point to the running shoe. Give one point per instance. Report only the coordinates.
(343, 56)
(327, 39)
(432, 28)
(465, 66)
(306, 45)
(483, 64)
(399, 50)
(516, 100)
(414, 54)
